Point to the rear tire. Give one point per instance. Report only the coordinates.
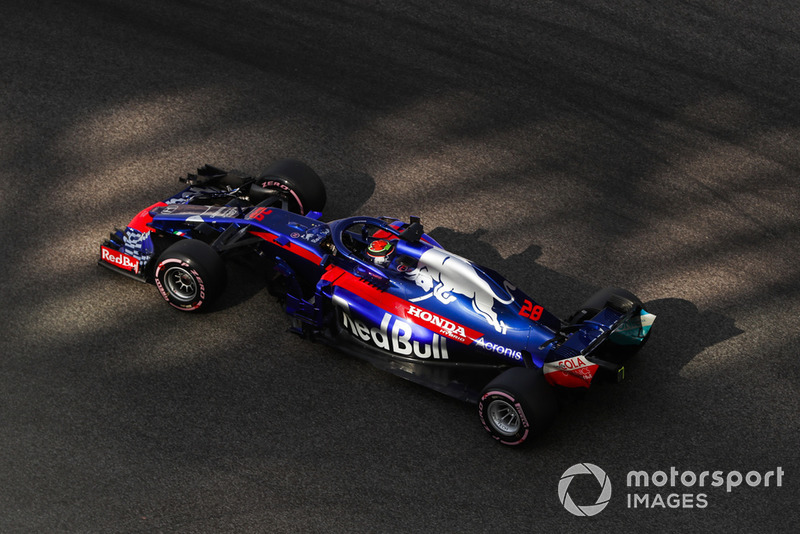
(190, 275)
(517, 405)
(295, 182)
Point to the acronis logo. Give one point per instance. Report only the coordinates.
(498, 349)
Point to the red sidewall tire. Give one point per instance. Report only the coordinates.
(495, 400)
(295, 181)
(517, 405)
(190, 275)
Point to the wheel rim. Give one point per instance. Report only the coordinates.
(180, 284)
(504, 417)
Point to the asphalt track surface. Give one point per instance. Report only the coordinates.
(570, 145)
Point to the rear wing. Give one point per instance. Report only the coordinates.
(575, 362)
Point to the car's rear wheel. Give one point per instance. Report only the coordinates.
(517, 405)
(293, 181)
(190, 275)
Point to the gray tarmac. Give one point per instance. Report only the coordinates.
(570, 145)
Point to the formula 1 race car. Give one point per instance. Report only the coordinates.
(381, 289)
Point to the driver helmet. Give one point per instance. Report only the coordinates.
(380, 252)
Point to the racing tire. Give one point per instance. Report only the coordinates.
(294, 181)
(190, 275)
(517, 405)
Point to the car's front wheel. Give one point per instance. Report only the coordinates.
(517, 405)
(293, 181)
(190, 275)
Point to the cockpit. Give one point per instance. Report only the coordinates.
(387, 244)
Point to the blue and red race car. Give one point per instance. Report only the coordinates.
(381, 289)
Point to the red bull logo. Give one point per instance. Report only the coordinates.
(444, 275)
(395, 335)
(123, 261)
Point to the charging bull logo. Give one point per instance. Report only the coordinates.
(444, 275)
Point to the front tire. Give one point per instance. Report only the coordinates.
(517, 405)
(190, 275)
(295, 182)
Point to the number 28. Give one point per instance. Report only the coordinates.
(534, 313)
